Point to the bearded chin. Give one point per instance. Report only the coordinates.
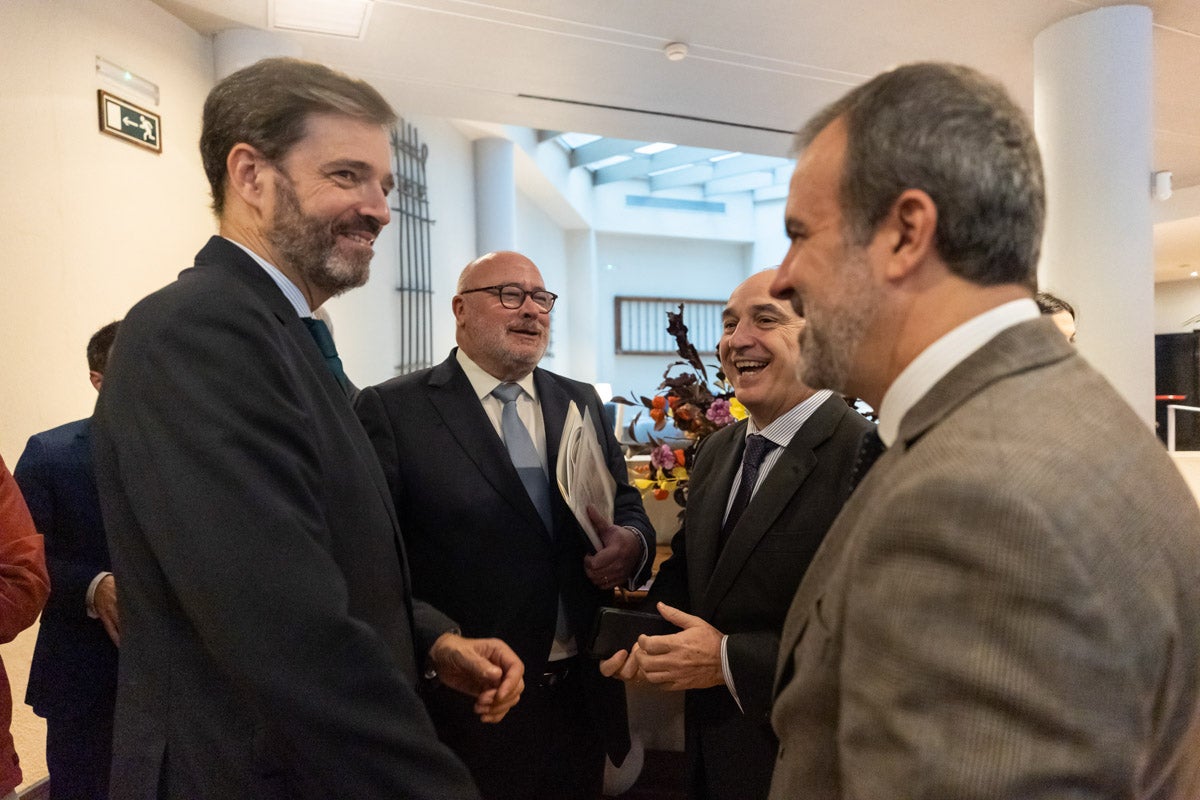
(822, 364)
(341, 272)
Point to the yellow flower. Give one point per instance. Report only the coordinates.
(736, 409)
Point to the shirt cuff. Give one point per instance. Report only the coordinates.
(641, 537)
(728, 675)
(91, 594)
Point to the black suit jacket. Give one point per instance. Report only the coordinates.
(744, 589)
(479, 550)
(267, 628)
(74, 667)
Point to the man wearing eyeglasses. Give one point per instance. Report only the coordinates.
(469, 450)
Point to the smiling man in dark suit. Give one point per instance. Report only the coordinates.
(492, 541)
(270, 645)
(73, 675)
(1009, 604)
(763, 493)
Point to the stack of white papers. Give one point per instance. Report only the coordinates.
(582, 473)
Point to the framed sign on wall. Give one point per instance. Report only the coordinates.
(124, 120)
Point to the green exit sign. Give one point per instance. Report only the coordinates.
(126, 121)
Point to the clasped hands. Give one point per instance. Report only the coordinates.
(486, 669)
(690, 659)
(613, 563)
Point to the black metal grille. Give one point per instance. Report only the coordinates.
(641, 324)
(415, 278)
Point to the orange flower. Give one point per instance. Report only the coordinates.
(657, 414)
(659, 403)
(660, 494)
(679, 459)
(673, 401)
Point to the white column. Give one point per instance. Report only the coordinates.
(1092, 113)
(241, 47)
(495, 196)
(589, 357)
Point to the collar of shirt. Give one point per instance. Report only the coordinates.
(289, 289)
(936, 360)
(529, 409)
(483, 382)
(784, 428)
(780, 432)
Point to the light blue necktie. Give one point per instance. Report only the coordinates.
(523, 454)
(529, 466)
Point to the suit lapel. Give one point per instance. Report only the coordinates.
(782, 484)
(554, 401)
(706, 510)
(453, 397)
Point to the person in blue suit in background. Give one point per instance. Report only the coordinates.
(73, 676)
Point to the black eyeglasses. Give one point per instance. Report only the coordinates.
(513, 296)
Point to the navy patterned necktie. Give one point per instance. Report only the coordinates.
(320, 334)
(757, 447)
(523, 453)
(869, 451)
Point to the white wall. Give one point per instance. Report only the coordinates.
(657, 266)
(1174, 302)
(91, 223)
(544, 242)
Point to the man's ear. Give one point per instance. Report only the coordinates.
(246, 170)
(458, 306)
(910, 229)
(97, 378)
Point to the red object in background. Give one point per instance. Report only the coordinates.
(1170, 397)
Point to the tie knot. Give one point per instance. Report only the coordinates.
(757, 447)
(507, 392)
(321, 335)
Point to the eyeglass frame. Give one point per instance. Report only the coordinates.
(499, 288)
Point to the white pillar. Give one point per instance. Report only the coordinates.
(495, 196)
(241, 47)
(589, 356)
(1092, 114)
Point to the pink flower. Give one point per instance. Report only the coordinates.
(718, 413)
(661, 457)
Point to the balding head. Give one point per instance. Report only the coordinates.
(506, 342)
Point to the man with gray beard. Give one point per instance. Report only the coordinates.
(270, 645)
(1009, 603)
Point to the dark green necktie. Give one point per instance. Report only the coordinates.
(320, 334)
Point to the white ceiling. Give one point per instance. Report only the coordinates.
(755, 70)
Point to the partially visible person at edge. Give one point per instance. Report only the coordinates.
(1009, 603)
(73, 675)
(24, 587)
(1059, 310)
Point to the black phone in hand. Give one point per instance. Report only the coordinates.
(619, 629)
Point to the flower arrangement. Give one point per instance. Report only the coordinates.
(693, 406)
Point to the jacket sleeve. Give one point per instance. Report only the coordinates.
(70, 577)
(24, 584)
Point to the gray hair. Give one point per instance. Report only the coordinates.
(267, 105)
(956, 135)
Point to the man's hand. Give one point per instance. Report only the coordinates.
(623, 665)
(488, 669)
(620, 556)
(690, 659)
(104, 601)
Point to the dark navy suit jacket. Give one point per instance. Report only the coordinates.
(74, 668)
